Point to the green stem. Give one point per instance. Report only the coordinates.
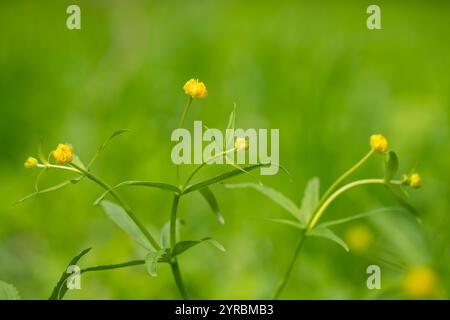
(287, 274)
(181, 125)
(124, 205)
(114, 266)
(173, 241)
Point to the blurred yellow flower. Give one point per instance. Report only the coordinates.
(30, 163)
(195, 89)
(420, 282)
(378, 142)
(240, 144)
(415, 181)
(359, 238)
(63, 153)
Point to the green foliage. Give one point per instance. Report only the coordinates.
(212, 201)
(328, 234)
(8, 292)
(391, 165)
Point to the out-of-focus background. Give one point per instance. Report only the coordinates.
(312, 70)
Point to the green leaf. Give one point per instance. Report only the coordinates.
(122, 219)
(8, 292)
(182, 246)
(77, 161)
(41, 154)
(60, 289)
(165, 233)
(390, 166)
(310, 200)
(222, 177)
(359, 216)
(211, 199)
(104, 145)
(291, 223)
(231, 125)
(328, 234)
(159, 185)
(53, 188)
(272, 194)
(153, 258)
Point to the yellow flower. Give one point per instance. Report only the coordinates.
(195, 89)
(30, 163)
(415, 181)
(63, 153)
(240, 144)
(420, 281)
(359, 238)
(378, 142)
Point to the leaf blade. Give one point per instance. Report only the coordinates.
(328, 234)
(310, 200)
(391, 166)
(212, 202)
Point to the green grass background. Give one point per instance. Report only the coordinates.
(312, 70)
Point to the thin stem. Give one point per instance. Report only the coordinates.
(181, 125)
(54, 166)
(173, 241)
(287, 274)
(124, 205)
(114, 266)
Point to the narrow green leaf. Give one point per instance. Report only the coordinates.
(296, 224)
(104, 145)
(53, 188)
(121, 219)
(231, 126)
(153, 258)
(211, 199)
(77, 161)
(60, 289)
(272, 194)
(310, 200)
(401, 199)
(159, 185)
(8, 292)
(328, 234)
(165, 233)
(222, 177)
(182, 246)
(358, 216)
(390, 165)
(41, 153)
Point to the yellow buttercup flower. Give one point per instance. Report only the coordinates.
(240, 144)
(359, 238)
(195, 89)
(378, 142)
(420, 282)
(415, 181)
(30, 163)
(63, 153)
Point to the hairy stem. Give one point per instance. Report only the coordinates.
(124, 205)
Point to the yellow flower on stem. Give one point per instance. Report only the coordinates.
(420, 282)
(63, 153)
(378, 142)
(30, 163)
(195, 89)
(415, 181)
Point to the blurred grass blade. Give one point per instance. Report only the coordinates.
(60, 289)
(400, 197)
(221, 177)
(153, 258)
(272, 194)
(358, 216)
(291, 223)
(159, 185)
(53, 188)
(212, 201)
(182, 246)
(390, 166)
(231, 125)
(328, 234)
(310, 200)
(104, 145)
(8, 292)
(117, 214)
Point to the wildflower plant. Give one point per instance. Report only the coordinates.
(167, 248)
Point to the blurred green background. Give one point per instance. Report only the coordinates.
(312, 70)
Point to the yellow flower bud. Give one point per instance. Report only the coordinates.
(30, 163)
(378, 142)
(63, 153)
(359, 238)
(415, 181)
(240, 144)
(420, 282)
(195, 89)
